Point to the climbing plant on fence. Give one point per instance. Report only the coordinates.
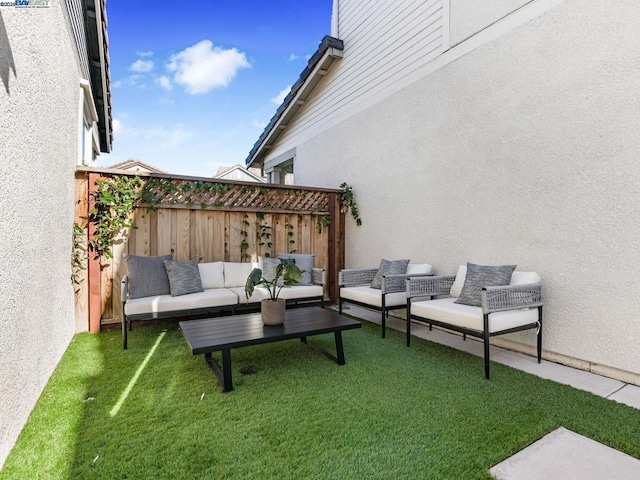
(200, 220)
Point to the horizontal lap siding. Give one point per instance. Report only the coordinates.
(76, 18)
(383, 43)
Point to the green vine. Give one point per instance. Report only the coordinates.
(244, 245)
(347, 202)
(322, 222)
(114, 201)
(263, 233)
(290, 234)
(78, 255)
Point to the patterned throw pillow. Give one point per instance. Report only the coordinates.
(479, 276)
(184, 277)
(147, 276)
(303, 262)
(268, 266)
(389, 267)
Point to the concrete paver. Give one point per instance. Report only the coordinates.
(565, 455)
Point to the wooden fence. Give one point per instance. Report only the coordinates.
(204, 220)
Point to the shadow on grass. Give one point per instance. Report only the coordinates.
(155, 411)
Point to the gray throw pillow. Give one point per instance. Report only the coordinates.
(389, 267)
(479, 276)
(147, 276)
(303, 262)
(184, 277)
(268, 266)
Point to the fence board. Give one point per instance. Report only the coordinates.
(217, 236)
(225, 223)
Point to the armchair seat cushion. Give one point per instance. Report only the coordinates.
(217, 297)
(373, 296)
(447, 311)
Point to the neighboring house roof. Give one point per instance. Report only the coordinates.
(98, 50)
(133, 164)
(238, 172)
(329, 50)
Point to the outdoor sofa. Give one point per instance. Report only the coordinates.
(151, 290)
(476, 304)
(381, 289)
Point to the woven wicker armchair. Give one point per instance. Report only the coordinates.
(355, 288)
(504, 309)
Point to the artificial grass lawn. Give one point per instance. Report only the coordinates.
(391, 412)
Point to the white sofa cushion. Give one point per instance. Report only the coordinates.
(236, 274)
(258, 295)
(297, 291)
(445, 310)
(419, 269)
(217, 297)
(373, 296)
(212, 274)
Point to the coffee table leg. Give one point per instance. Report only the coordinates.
(339, 348)
(338, 358)
(224, 375)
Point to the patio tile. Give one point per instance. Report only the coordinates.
(580, 379)
(629, 395)
(565, 455)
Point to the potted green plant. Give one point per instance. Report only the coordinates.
(273, 308)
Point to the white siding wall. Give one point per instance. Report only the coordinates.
(384, 42)
(38, 150)
(77, 25)
(524, 150)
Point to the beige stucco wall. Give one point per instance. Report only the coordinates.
(39, 99)
(523, 151)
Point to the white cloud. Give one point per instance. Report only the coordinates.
(116, 125)
(294, 56)
(202, 67)
(278, 99)
(141, 66)
(164, 82)
(163, 137)
(130, 81)
(148, 53)
(259, 124)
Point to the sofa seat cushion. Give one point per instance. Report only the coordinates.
(297, 291)
(257, 296)
(216, 297)
(445, 310)
(373, 296)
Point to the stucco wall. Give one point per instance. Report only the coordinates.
(468, 18)
(39, 98)
(523, 151)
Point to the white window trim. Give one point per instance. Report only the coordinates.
(88, 138)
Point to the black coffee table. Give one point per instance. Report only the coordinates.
(224, 333)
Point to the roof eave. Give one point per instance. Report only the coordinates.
(97, 46)
(330, 50)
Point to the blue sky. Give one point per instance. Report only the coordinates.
(195, 84)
